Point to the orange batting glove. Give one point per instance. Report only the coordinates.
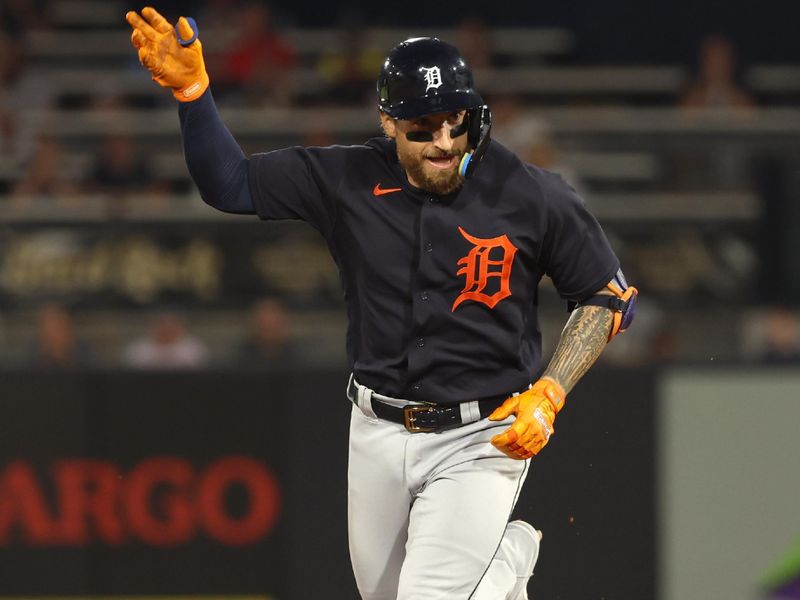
(174, 62)
(536, 411)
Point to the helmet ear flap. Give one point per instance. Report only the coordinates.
(479, 136)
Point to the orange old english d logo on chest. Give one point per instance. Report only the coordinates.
(481, 264)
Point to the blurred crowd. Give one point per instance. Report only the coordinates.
(266, 341)
(266, 338)
(252, 64)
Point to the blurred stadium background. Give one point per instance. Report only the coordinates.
(157, 357)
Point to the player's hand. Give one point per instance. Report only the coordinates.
(536, 411)
(174, 63)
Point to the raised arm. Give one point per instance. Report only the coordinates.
(215, 161)
(174, 57)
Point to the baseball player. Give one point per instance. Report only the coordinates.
(441, 237)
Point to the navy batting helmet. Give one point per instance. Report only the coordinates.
(421, 76)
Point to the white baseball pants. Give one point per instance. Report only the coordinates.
(427, 511)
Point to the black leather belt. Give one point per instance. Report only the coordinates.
(423, 418)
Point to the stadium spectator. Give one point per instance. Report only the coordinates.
(120, 170)
(8, 132)
(715, 85)
(119, 167)
(655, 341)
(19, 89)
(8, 67)
(473, 38)
(19, 16)
(45, 174)
(529, 137)
(319, 135)
(56, 345)
(349, 68)
(258, 65)
(781, 337)
(715, 88)
(167, 346)
(222, 13)
(269, 340)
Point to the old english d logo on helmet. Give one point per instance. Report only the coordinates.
(421, 76)
(479, 265)
(433, 77)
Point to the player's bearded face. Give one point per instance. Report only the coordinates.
(432, 166)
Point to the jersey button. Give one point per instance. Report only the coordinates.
(428, 247)
(420, 342)
(416, 387)
(432, 200)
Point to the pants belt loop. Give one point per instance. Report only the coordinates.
(364, 399)
(470, 412)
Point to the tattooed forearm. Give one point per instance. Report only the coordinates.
(582, 341)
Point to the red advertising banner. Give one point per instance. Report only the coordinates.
(128, 484)
(96, 502)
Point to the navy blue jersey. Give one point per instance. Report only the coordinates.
(441, 291)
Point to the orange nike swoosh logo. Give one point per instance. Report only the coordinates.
(377, 191)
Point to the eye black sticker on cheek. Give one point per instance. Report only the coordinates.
(419, 136)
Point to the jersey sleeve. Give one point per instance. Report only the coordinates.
(298, 183)
(578, 256)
